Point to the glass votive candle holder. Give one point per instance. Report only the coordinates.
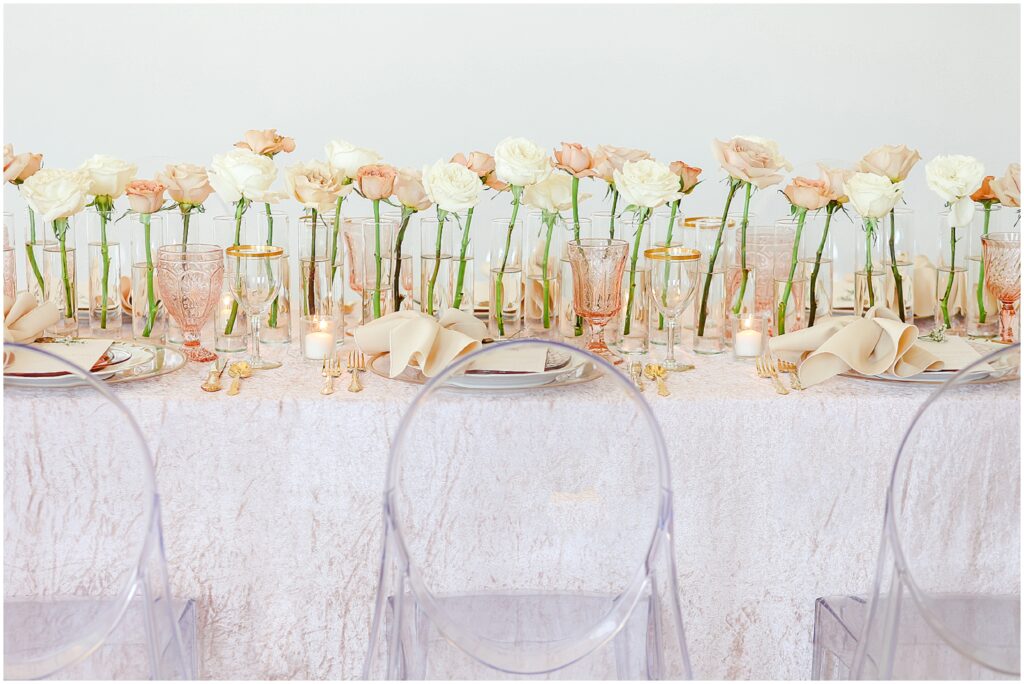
(318, 336)
(749, 336)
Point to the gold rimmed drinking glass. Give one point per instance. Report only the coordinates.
(253, 273)
(672, 284)
(1001, 254)
(597, 267)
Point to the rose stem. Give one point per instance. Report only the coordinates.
(462, 259)
(703, 315)
(644, 213)
(817, 261)
(896, 275)
(743, 252)
(801, 216)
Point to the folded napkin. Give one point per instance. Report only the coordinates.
(875, 344)
(414, 337)
(24, 321)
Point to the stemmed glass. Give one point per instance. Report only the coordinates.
(254, 276)
(672, 284)
(190, 278)
(597, 266)
(1001, 254)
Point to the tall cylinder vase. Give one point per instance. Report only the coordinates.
(149, 318)
(545, 237)
(816, 260)
(951, 277)
(379, 264)
(231, 323)
(104, 243)
(276, 326)
(435, 265)
(505, 291)
(869, 271)
(982, 306)
(60, 277)
(897, 246)
(10, 270)
(37, 235)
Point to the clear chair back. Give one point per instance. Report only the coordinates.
(85, 580)
(946, 599)
(539, 544)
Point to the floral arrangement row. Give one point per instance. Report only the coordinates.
(549, 183)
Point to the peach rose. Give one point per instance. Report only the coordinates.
(807, 193)
(313, 185)
(409, 190)
(608, 159)
(186, 183)
(18, 167)
(984, 193)
(376, 181)
(687, 175)
(892, 161)
(754, 160)
(145, 196)
(835, 183)
(266, 142)
(575, 159)
(1007, 188)
(483, 165)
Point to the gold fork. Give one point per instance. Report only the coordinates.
(356, 363)
(332, 369)
(766, 369)
(790, 367)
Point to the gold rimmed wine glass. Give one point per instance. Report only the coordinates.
(1001, 254)
(597, 267)
(672, 284)
(253, 273)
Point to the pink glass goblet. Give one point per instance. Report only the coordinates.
(1001, 255)
(190, 279)
(597, 267)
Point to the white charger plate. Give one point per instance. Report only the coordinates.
(147, 361)
(579, 369)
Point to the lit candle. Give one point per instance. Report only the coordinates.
(318, 343)
(747, 343)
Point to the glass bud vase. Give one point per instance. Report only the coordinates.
(897, 247)
(629, 333)
(951, 277)
(869, 272)
(276, 325)
(715, 240)
(435, 266)
(60, 277)
(816, 260)
(104, 272)
(545, 239)
(149, 318)
(982, 306)
(10, 270)
(463, 272)
(231, 324)
(316, 296)
(37, 236)
(378, 245)
(505, 290)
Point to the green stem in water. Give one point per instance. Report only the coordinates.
(668, 243)
(311, 278)
(982, 313)
(784, 302)
(832, 206)
(272, 318)
(376, 259)
(104, 205)
(944, 304)
(150, 290)
(869, 236)
(611, 221)
(60, 230)
(549, 221)
(334, 240)
(240, 206)
(462, 259)
(644, 213)
(499, 292)
(896, 275)
(702, 317)
(441, 216)
(30, 252)
(396, 279)
(744, 272)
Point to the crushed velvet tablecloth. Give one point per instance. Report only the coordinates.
(272, 505)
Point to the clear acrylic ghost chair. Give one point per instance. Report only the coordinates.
(946, 596)
(533, 541)
(86, 592)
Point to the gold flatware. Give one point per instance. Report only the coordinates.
(237, 371)
(356, 363)
(790, 367)
(332, 369)
(766, 369)
(636, 374)
(212, 383)
(656, 372)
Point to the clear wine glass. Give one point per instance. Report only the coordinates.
(1001, 254)
(597, 267)
(672, 284)
(254, 276)
(190, 278)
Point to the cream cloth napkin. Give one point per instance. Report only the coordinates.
(24, 321)
(875, 344)
(415, 337)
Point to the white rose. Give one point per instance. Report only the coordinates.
(647, 183)
(873, 196)
(56, 193)
(451, 187)
(108, 176)
(243, 173)
(517, 161)
(345, 158)
(955, 178)
(553, 194)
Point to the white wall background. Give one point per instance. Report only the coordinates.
(158, 83)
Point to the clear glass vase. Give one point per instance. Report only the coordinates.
(897, 248)
(10, 270)
(869, 271)
(276, 326)
(629, 334)
(435, 264)
(147, 235)
(816, 260)
(60, 277)
(546, 235)
(709, 318)
(378, 244)
(36, 237)
(193, 227)
(951, 277)
(789, 293)
(982, 306)
(104, 244)
(318, 294)
(505, 289)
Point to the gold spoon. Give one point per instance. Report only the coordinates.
(238, 370)
(656, 372)
(212, 383)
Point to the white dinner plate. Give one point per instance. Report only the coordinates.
(577, 370)
(138, 354)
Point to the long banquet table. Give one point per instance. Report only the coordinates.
(272, 504)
